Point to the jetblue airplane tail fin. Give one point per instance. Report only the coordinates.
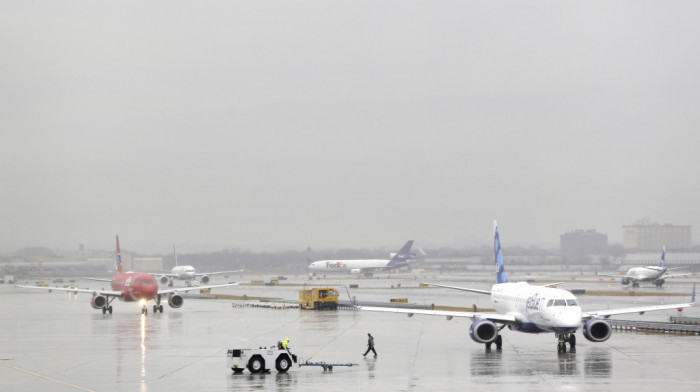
(662, 264)
(401, 257)
(119, 256)
(500, 269)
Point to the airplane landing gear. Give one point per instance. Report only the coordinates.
(566, 338)
(498, 342)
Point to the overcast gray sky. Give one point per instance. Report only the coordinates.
(285, 124)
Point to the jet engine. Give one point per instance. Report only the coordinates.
(164, 280)
(597, 330)
(659, 282)
(483, 331)
(625, 281)
(204, 279)
(175, 300)
(98, 301)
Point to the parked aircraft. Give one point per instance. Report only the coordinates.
(189, 274)
(653, 273)
(366, 267)
(132, 287)
(532, 309)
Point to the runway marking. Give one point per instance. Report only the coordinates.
(47, 377)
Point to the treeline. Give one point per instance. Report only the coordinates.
(297, 261)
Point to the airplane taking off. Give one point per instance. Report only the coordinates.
(653, 273)
(366, 267)
(132, 287)
(189, 274)
(532, 309)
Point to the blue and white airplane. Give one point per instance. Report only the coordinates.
(653, 273)
(533, 309)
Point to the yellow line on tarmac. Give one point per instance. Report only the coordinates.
(47, 378)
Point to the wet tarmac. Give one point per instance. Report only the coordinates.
(57, 342)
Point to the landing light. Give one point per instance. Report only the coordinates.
(142, 302)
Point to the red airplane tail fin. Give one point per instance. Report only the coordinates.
(119, 256)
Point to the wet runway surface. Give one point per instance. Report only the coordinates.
(56, 341)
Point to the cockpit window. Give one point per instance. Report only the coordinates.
(571, 302)
(559, 302)
(551, 301)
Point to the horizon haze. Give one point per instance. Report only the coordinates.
(278, 125)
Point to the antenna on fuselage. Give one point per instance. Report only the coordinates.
(119, 257)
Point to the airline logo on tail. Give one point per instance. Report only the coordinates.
(402, 256)
(500, 269)
(662, 264)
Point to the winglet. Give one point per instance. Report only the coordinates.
(119, 256)
(692, 300)
(500, 269)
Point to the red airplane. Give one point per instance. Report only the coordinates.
(132, 287)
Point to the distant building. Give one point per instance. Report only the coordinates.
(652, 236)
(583, 242)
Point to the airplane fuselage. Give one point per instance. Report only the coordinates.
(537, 309)
(184, 272)
(347, 266)
(643, 274)
(135, 286)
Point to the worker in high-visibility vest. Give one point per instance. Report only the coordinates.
(285, 344)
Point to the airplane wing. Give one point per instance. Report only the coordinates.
(75, 290)
(495, 317)
(188, 289)
(99, 279)
(460, 288)
(219, 272)
(638, 309)
(677, 275)
(610, 275)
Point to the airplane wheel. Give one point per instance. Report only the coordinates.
(488, 346)
(155, 308)
(283, 363)
(256, 364)
(109, 309)
(104, 310)
(572, 341)
(499, 342)
(160, 307)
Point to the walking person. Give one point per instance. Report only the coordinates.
(370, 345)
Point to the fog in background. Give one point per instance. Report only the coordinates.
(280, 125)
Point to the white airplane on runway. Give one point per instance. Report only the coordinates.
(189, 274)
(533, 309)
(653, 273)
(366, 267)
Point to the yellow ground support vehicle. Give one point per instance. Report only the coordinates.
(319, 298)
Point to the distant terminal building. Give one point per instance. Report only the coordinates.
(652, 236)
(583, 242)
